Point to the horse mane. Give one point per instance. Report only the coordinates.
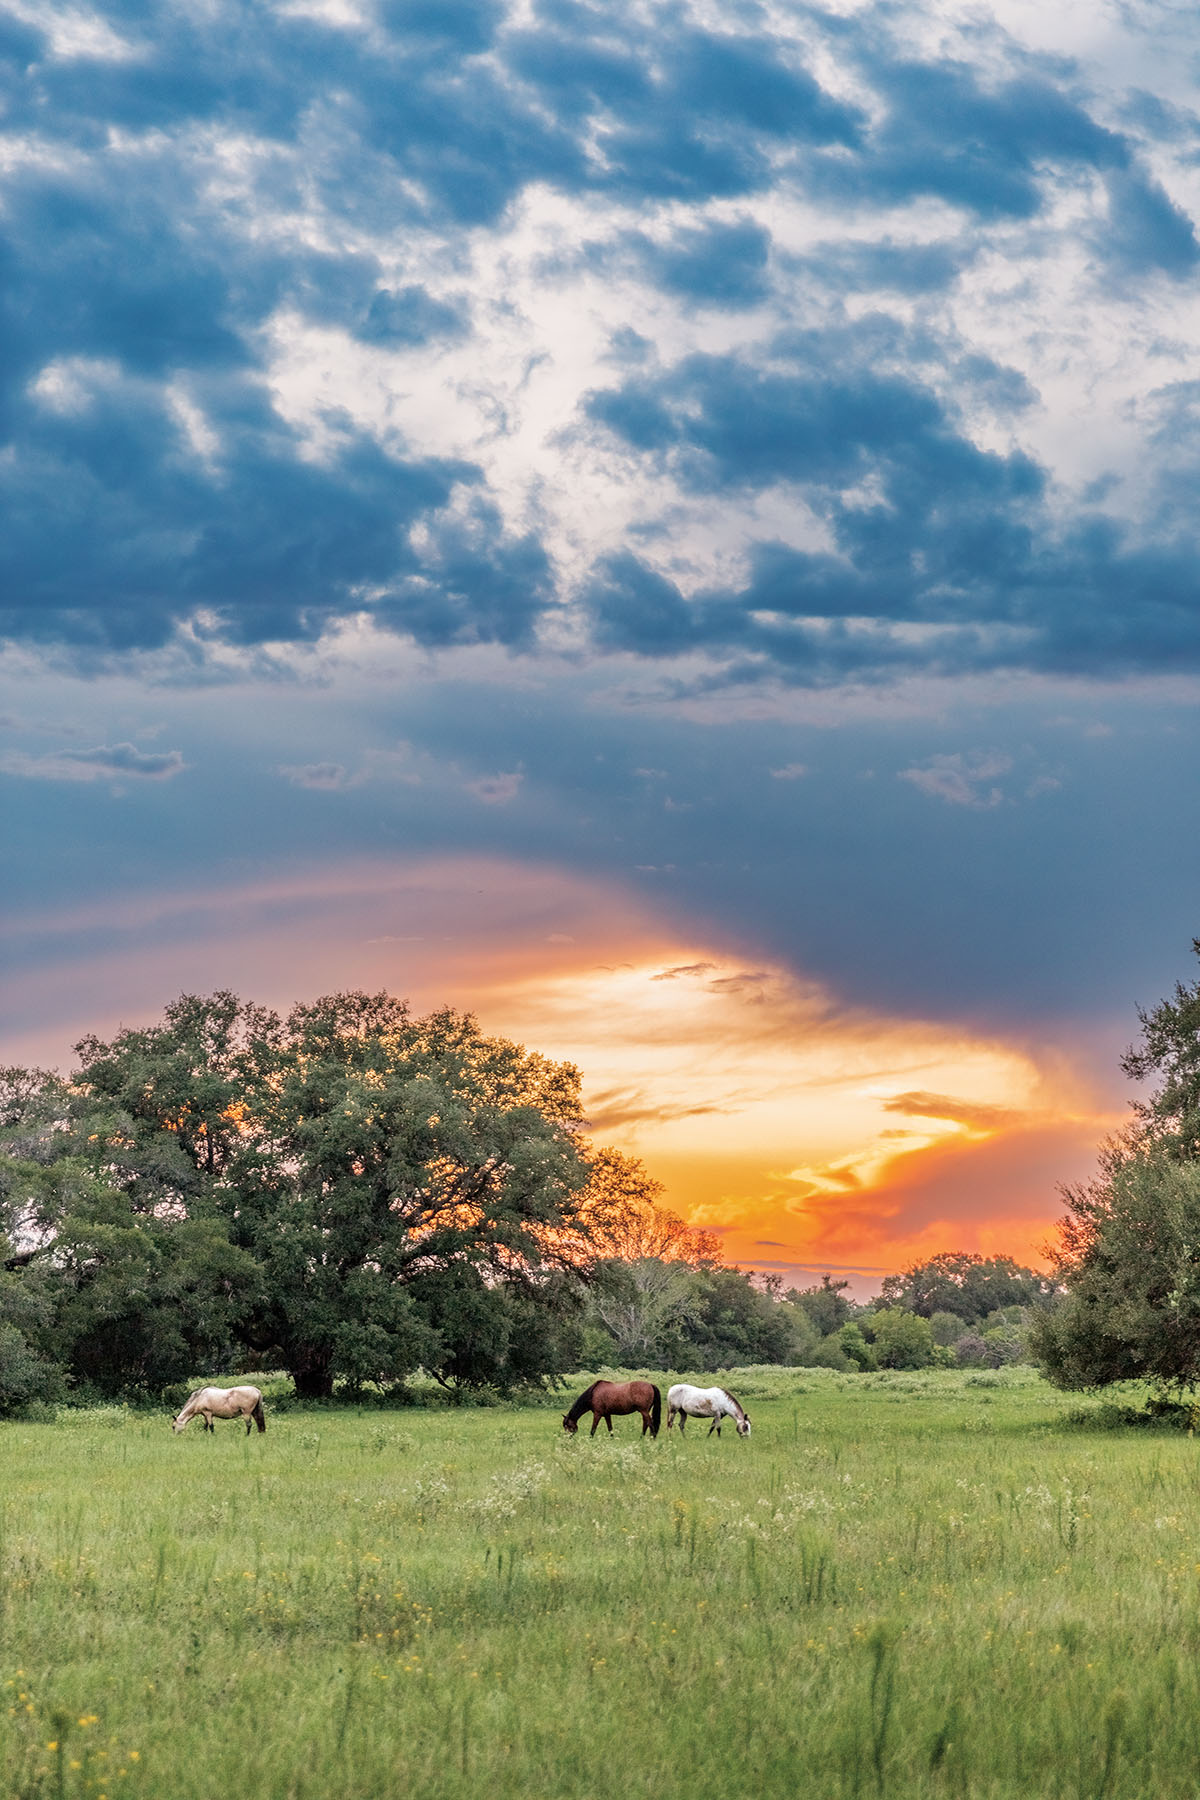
(735, 1400)
(583, 1403)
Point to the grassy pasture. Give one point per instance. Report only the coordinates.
(900, 1585)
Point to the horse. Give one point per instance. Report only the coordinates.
(222, 1403)
(604, 1398)
(705, 1403)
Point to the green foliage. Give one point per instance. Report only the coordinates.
(966, 1285)
(348, 1153)
(1131, 1266)
(669, 1313)
(826, 1304)
(829, 1354)
(1129, 1253)
(901, 1340)
(114, 1281)
(647, 1308)
(25, 1377)
(736, 1322)
(1170, 1051)
(855, 1347)
(803, 1334)
(497, 1335)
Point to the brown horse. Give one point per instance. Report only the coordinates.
(604, 1398)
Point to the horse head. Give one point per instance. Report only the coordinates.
(743, 1425)
(569, 1424)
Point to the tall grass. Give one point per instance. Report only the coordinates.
(899, 1586)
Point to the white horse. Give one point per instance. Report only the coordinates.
(223, 1403)
(705, 1403)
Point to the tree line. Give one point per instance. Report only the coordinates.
(351, 1193)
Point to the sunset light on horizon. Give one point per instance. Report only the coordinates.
(810, 1133)
(669, 528)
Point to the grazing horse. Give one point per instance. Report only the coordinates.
(705, 1403)
(223, 1403)
(604, 1398)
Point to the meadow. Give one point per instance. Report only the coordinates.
(905, 1585)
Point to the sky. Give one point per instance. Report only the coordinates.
(668, 524)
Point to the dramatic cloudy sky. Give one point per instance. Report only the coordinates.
(670, 523)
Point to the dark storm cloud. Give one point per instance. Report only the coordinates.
(144, 257)
(724, 266)
(928, 529)
(1145, 229)
(984, 148)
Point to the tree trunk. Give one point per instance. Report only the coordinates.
(313, 1378)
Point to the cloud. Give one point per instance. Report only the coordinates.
(961, 779)
(326, 777)
(496, 790)
(1146, 230)
(974, 1113)
(268, 358)
(718, 265)
(105, 762)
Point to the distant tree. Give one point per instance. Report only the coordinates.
(496, 1334)
(967, 1285)
(1007, 1342)
(1129, 1263)
(1128, 1256)
(855, 1347)
(618, 1217)
(946, 1327)
(826, 1304)
(902, 1340)
(970, 1352)
(395, 1182)
(804, 1336)
(26, 1317)
(1169, 1118)
(737, 1322)
(648, 1307)
(110, 1280)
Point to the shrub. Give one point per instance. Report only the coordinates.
(903, 1340)
(860, 1354)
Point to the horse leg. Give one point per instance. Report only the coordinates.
(596, 1424)
(608, 1422)
(715, 1426)
(249, 1422)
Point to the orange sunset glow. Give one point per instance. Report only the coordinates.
(807, 1132)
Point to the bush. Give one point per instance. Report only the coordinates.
(829, 1354)
(25, 1377)
(903, 1340)
(856, 1348)
(1006, 1343)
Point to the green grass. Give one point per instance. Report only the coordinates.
(900, 1585)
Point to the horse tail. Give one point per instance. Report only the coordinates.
(655, 1413)
(258, 1415)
